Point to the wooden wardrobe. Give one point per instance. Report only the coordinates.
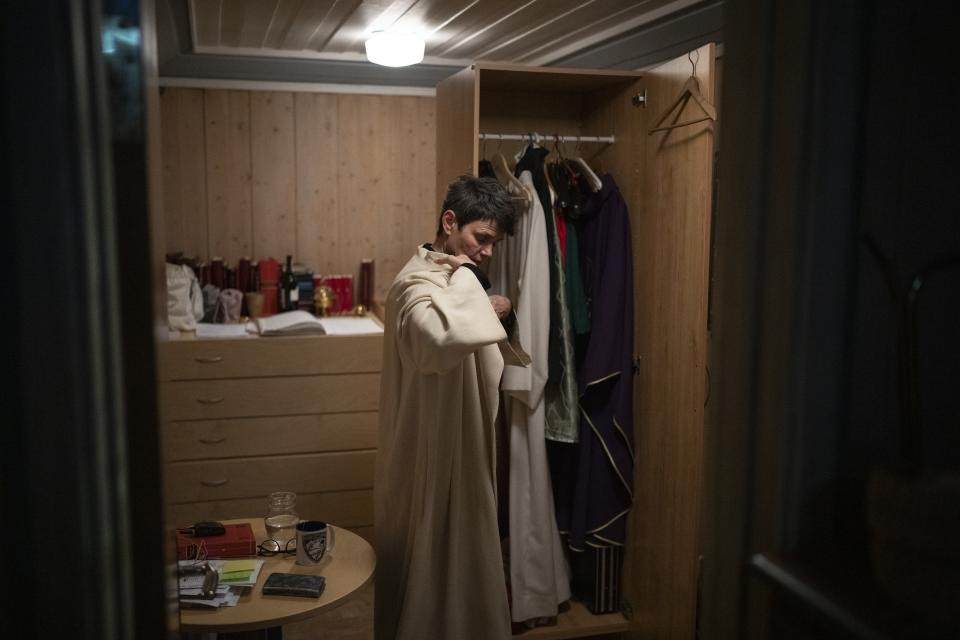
(667, 181)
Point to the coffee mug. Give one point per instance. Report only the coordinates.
(314, 540)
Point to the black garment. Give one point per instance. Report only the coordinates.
(474, 269)
(485, 283)
(566, 184)
(486, 170)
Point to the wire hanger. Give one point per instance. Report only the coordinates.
(691, 89)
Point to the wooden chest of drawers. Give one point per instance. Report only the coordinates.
(245, 417)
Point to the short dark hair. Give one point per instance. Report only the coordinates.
(471, 198)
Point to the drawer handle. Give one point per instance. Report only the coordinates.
(214, 483)
(209, 359)
(213, 440)
(217, 400)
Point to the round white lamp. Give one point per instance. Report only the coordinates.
(394, 49)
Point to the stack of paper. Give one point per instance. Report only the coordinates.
(234, 577)
(225, 597)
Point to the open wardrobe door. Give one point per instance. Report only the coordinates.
(671, 241)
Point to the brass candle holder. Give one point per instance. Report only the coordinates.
(324, 299)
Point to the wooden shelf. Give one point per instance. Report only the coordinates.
(500, 77)
(578, 622)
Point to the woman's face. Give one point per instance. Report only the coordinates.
(474, 239)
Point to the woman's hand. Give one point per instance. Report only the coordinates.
(501, 305)
(455, 261)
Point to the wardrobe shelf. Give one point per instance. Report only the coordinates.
(578, 622)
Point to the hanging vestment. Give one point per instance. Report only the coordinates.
(576, 297)
(562, 423)
(593, 481)
(520, 270)
(569, 207)
(439, 567)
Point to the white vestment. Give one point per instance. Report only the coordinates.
(520, 270)
(439, 567)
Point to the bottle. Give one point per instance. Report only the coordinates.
(281, 520)
(289, 293)
(217, 274)
(244, 274)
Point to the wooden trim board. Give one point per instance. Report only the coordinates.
(578, 622)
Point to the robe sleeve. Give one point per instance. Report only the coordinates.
(443, 326)
(512, 349)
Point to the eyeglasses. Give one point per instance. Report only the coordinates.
(271, 547)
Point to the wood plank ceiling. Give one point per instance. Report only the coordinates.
(536, 32)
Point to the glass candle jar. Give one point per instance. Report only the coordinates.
(281, 521)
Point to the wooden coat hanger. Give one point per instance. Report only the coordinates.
(592, 178)
(691, 89)
(505, 176)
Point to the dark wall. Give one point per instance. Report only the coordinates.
(909, 210)
(838, 187)
(80, 483)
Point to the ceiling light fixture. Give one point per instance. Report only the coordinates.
(394, 49)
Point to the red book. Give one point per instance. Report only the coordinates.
(237, 541)
(342, 286)
(347, 295)
(334, 283)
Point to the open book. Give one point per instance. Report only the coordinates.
(289, 323)
(294, 323)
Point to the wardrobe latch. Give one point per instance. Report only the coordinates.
(636, 365)
(640, 100)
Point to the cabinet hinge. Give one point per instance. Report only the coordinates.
(696, 620)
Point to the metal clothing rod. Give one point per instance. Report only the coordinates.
(537, 138)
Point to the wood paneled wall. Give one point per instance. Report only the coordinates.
(328, 178)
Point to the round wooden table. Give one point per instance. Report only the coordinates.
(347, 567)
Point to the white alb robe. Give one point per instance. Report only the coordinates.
(520, 270)
(439, 568)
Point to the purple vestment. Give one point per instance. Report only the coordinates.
(593, 480)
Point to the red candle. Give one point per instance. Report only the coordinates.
(366, 282)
